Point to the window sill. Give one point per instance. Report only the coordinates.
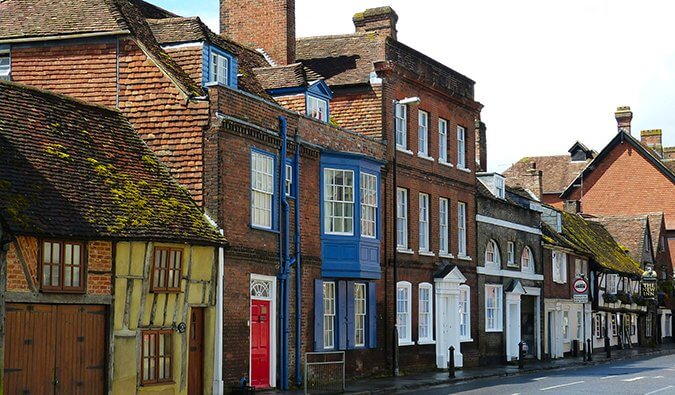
(214, 83)
(444, 163)
(512, 266)
(425, 342)
(406, 251)
(271, 230)
(425, 157)
(464, 257)
(405, 151)
(464, 169)
(426, 253)
(406, 343)
(494, 330)
(465, 340)
(448, 256)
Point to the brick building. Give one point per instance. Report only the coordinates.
(510, 271)
(104, 257)
(360, 82)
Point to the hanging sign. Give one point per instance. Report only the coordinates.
(648, 284)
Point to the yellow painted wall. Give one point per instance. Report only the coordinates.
(134, 311)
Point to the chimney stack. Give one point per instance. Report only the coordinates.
(572, 206)
(381, 20)
(261, 24)
(623, 117)
(481, 145)
(653, 139)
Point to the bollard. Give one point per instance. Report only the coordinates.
(608, 347)
(451, 362)
(395, 356)
(588, 350)
(521, 355)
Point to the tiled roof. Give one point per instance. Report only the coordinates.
(558, 171)
(41, 18)
(287, 76)
(629, 231)
(343, 59)
(656, 220)
(176, 30)
(592, 238)
(70, 169)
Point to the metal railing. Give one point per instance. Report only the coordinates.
(324, 372)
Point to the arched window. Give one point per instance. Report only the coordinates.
(492, 256)
(527, 260)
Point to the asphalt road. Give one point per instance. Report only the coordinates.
(647, 376)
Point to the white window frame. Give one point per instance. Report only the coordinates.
(6, 71)
(401, 126)
(580, 267)
(360, 314)
(262, 190)
(422, 133)
(580, 326)
(329, 315)
(500, 187)
(559, 267)
(598, 326)
(611, 283)
(510, 254)
(346, 202)
(461, 228)
(442, 140)
(317, 108)
(402, 218)
(496, 324)
(461, 147)
(369, 203)
(464, 313)
(668, 325)
(566, 326)
(527, 260)
(444, 226)
(219, 68)
(289, 179)
(404, 317)
(615, 324)
(425, 318)
(423, 223)
(492, 255)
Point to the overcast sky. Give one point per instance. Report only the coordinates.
(548, 73)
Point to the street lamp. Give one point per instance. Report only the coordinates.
(405, 101)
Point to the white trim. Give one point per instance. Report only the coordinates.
(446, 163)
(507, 224)
(273, 325)
(425, 157)
(408, 322)
(498, 308)
(430, 323)
(509, 273)
(405, 151)
(464, 257)
(466, 289)
(425, 342)
(426, 253)
(183, 45)
(405, 251)
(464, 169)
(446, 256)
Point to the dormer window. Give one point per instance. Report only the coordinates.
(5, 65)
(317, 108)
(500, 190)
(219, 69)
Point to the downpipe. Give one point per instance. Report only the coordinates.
(284, 257)
(298, 276)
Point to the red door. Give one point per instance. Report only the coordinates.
(196, 356)
(260, 343)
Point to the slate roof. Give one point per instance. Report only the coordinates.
(175, 30)
(71, 169)
(558, 171)
(341, 59)
(42, 18)
(629, 231)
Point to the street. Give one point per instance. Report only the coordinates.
(648, 376)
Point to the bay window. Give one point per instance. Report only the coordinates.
(338, 201)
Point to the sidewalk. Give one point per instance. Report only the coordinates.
(404, 383)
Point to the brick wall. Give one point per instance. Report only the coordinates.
(553, 290)
(16, 279)
(99, 264)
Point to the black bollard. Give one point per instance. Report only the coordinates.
(521, 355)
(451, 362)
(588, 350)
(608, 347)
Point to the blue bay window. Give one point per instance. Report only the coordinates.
(345, 314)
(219, 67)
(351, 216)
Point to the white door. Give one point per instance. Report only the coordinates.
(512, 330)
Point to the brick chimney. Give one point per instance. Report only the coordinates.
(623, 117)
(481, 145)
(572, 206)
(381, 20)
(265, 24)
(653, 139)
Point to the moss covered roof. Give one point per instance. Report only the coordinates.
(592, 238)
(70, 169)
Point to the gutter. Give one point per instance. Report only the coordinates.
(63, 37)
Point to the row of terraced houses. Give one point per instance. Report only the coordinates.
(185, 212)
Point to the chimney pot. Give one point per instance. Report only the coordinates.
(572, 206)
(378, 20)
(623, 117)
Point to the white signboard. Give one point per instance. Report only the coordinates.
(581, 298)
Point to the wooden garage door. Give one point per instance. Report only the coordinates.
(55, 349)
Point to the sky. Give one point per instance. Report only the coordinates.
(548, 73)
